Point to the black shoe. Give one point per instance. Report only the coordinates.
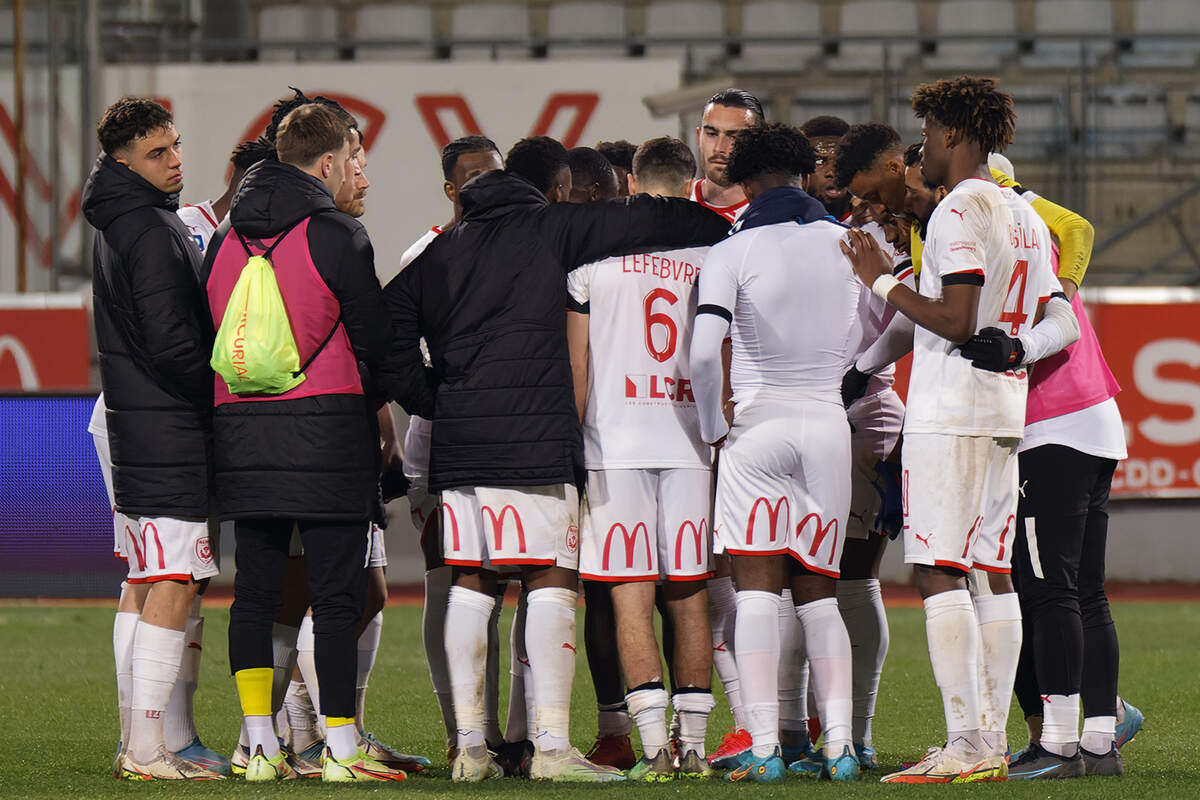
(514, 758)
(1038, 763)
(1108, 765)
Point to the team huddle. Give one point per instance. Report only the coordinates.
(677, 390)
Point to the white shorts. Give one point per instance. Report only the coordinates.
(167, 548)
(960, 501)
(783, 485)
(524, 526)
(877, 420)
(663, 518)
(104, 456)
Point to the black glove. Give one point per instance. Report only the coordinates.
(994, 350)
(854, 385)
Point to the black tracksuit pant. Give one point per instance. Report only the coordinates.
(335, 555)
(1070, 642)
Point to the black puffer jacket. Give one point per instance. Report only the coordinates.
(490, 298)
(155, 339)
(309, 457)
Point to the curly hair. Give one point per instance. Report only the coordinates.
(860, 147)
(619, 153)
(289, 104)
(130, 118)
(825, 126)
(247, 154)
(537, 159)
(773, 148)
(972, 106)
(912, 155)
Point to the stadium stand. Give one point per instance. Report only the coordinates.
(478, 27)
(1159, 17)
(873, 18)
(966, 17)
(408, 21)
(694, 19)
(773, 18)
(297, 22)
(578, 22)
(1066, 18)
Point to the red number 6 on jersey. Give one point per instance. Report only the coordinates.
(660, 318)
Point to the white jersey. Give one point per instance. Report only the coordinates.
(640, 413)
(985, 235)
(201, 222)
(730, 213)
(794, 304)
(416, 438)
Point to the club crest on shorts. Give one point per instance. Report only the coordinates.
(204, 550)
(572, 538)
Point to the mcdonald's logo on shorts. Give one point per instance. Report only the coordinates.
(772, 518)
(630, 540)
(699, 540)
(497, 523)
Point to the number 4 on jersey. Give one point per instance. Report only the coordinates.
(1014, 301)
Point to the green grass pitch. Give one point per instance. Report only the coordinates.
(58, 723)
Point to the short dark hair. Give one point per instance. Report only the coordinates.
(247, 154)
(825, 126)
(774, 148)
(738, 98)
(665, 160)
(537, 159)
(619, 153)
(912, 155)
(130, 118)
(589, 167)
(308, 132)
(455, 150)
(859, 148)
(972, 106)
(289, 104)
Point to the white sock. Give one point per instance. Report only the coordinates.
(243, 737)
(648, 707)
(517, 723)
(342, 740)
(1099, 734)
(124, 627)
(791, 661)
(860, 602)
(1060, 724)
(467, 615)
(829, 663)
(491, 684)
(999, 651)
(156, 655)
(692, 709)
(368, 646)
(306, 662)
(433, 634)
(953, 635)
(179, 725)
(302, 717)
(260, 728)
(614, 720)
(756, 647)
(283, 659)
(550, 643)
(722, 612)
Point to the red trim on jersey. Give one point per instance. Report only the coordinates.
(847, 215)
(728, 212)
(157, 578)
(978, 272)
(989, 568)
(211, 221)
(779, 552)
(589, 576)
(903, 275)
(828, 573)
(684, 578)
(937, 562)
(436, 230)
(461, 562)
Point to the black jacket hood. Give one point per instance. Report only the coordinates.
(494, 194)
(113, 189)
(274, 196)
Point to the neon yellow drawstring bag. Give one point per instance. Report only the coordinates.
(255, 351)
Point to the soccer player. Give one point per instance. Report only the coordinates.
(649, 473)
(592, 177)
(320, 472)
(783, 485)
(501, 272)
(154, 340)
(620, 155)
(726, 112)
(983, 267)
(824, 133)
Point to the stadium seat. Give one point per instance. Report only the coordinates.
(778, 18)
(1189, 146)
(582, 21)
(394, 21)
(878, 17)
(1069, 17)
(966, 17)
(1042, 132)
(1127, 121)
(478, 24)
(690, 18)
(1164, 16)
(902, 118)
(297, 22)
(852, 106)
